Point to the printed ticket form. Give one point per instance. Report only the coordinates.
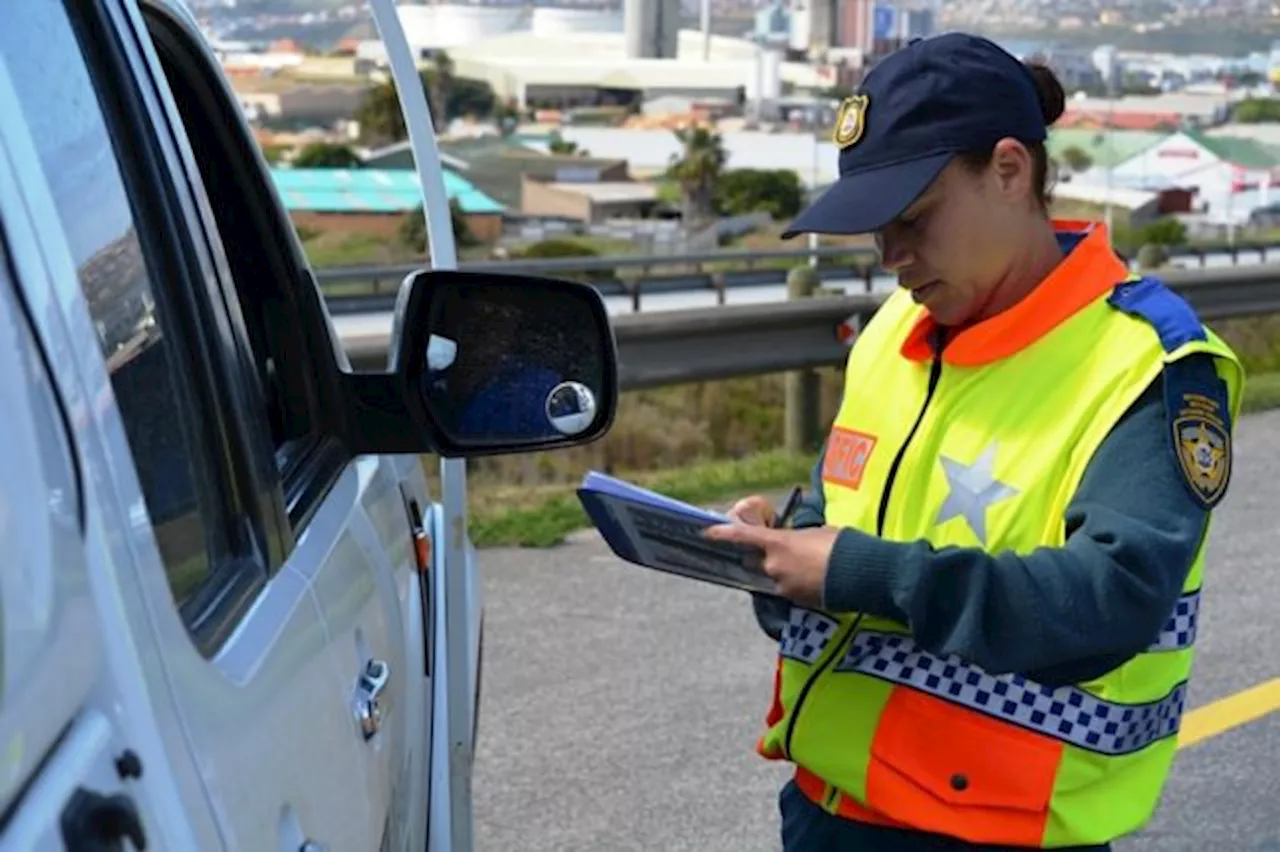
(648, 529)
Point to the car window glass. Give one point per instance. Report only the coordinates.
(61, 110)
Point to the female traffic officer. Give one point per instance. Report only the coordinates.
(986, 629)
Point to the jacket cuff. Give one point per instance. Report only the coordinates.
(860, 575)
(807, 517)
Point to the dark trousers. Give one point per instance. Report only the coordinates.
(808, 828)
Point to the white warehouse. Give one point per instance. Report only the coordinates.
(590, 68)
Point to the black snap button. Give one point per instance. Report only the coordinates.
(959, 783)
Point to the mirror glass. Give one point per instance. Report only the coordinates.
(510, 359)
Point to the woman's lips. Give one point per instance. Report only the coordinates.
(921, 293)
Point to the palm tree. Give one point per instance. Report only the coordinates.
(379, 115)
(439, 87)
(697, 171)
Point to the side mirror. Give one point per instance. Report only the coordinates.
(486, 363)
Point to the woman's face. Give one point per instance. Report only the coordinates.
(962, 238)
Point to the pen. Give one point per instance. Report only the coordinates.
(793, 503)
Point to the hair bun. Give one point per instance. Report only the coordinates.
(1053, 100)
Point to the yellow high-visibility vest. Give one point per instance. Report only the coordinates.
(980, 450)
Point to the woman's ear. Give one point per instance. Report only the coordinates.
(1013, 169)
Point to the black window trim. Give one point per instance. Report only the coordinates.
(311, 466)
(231, 586)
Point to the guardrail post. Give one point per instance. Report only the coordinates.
(1152, 256)
(801, 385)
(718, 284)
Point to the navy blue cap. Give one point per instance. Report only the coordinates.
(918, 108)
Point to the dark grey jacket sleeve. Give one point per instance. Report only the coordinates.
(1057, 615)
(772, 613)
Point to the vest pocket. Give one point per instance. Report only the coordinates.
(944, 768)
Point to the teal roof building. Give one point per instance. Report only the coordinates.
(370, 191)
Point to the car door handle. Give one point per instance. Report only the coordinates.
(93, 822)
(369, 698)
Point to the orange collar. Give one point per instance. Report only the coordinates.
(1089, 269)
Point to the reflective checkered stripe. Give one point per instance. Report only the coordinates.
(1179, 632)
(1066, 713)
(809, 632)
(807, 635)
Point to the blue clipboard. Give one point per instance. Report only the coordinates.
(652, 530)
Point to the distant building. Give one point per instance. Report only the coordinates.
(1102, 149)
(375, 201)
(1231, 176)
(580, 195)
(576, 69)
(1140, 207)
(499, 168)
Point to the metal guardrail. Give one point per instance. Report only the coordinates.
(638, 275)
(709, 344)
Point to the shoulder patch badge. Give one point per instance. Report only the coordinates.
(848, 452)
(1202, 443)
(851, 120)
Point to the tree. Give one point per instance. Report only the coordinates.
(470, 97)
(777, 192)
(324, 155)
(413, 228)
(558, 248)
(1076, 159)
(698, 170)
(439, 82)
(557, 144)
(1165, 231)
(275, 153)
(448, 97)
(1257, 111)
(379, 116)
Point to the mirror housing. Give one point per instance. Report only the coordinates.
(487, 363)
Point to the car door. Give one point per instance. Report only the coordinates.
(59, 739)
(345, 524)
(122, 742)
(245, 652)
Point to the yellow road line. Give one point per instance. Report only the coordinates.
(1231, 712)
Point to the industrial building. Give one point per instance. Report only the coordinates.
(649, 152)
(577, 69)
(375, 201)
(1230, 176)
(587, 55)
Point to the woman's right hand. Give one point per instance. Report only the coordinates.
(755, 511)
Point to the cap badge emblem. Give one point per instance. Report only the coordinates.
(851, 120)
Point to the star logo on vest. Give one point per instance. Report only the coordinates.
(971, 490)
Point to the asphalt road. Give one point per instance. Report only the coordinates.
(621, 705)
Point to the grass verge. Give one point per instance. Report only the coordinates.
(542, 515)
(1261, 393)
(555, 511)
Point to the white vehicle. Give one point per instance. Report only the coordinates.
(232, 614)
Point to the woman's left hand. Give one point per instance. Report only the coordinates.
(796, 560)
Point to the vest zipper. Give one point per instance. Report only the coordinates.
(935, 373)
(829, 800)
(808, 684)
